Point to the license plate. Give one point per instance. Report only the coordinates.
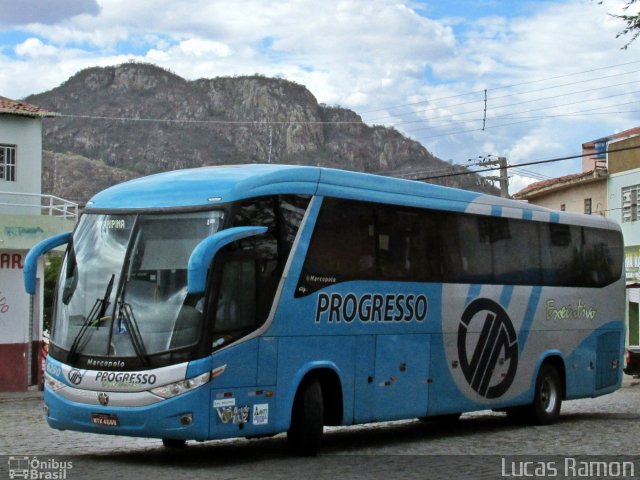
(105, 419)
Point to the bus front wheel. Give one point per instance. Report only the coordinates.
(307, 419)
(174, 443)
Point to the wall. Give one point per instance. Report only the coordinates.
(630, 230)
(573, 197)
(26, 134)
(631, 233)
(21, 227)
(626, 160)
(19, 339)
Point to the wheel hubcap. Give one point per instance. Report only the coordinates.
(548, 395)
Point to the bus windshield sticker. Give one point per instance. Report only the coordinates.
(236, 415)
(261, 414)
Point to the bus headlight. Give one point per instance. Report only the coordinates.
(52, 383)
(183, 386)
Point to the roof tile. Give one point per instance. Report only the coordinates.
(13, 107)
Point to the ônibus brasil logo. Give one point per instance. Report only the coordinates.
(485, 364)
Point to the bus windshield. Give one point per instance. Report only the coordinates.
(123, 284)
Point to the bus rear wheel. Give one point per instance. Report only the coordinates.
(547, 400)
(307, 419)
(548, 397)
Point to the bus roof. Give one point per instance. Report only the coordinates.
(210, 186)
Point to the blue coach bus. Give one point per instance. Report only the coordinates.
(258, 299)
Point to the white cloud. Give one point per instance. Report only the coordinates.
(371, 55)
(195, 47)
(33, 48)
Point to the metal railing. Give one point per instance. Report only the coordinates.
(47, 204)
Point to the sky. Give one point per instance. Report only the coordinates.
(525, 79)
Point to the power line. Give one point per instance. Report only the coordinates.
(360, 122)
(212, 122)
(504, 87)
(480, 100)
(537, 162)
(528, 173)
(480, 110)
(456, 132)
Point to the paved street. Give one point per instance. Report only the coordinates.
(474, 448)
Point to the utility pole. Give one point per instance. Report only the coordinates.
(501, 162)
(270, 143)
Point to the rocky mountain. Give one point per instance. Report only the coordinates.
(120, 122)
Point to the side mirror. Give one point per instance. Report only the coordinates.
(203, 254)
(31, 260)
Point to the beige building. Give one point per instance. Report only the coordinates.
(584, 192)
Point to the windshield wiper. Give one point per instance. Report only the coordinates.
(97, 313)
(131, 325)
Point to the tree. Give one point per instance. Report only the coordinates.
(51, 270)
(632, 23)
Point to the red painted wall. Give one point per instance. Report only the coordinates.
(14, 365)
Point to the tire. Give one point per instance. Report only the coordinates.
(307, 419)
(173, 443)
(547, 400)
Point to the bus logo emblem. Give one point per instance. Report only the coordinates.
(75, 376)
(491, 366)
(103, 398)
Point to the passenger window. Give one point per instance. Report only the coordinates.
(236, 307)
(251, 268)
(367, 241)
(561, 255)
(603, 255)
(516, 252)
(342, 247)
(402, 245)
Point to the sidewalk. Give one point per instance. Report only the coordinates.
(20, 396)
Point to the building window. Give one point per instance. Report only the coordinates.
(587, 206)
(630, 203)
(8, 163)
(563, 207)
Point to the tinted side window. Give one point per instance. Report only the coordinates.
(366, 241)
(516, 252)
(494, 250)
(342, 247)
(290, 211)
(402, 239)
(561, 254)
(251, 268)
(602, 256)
